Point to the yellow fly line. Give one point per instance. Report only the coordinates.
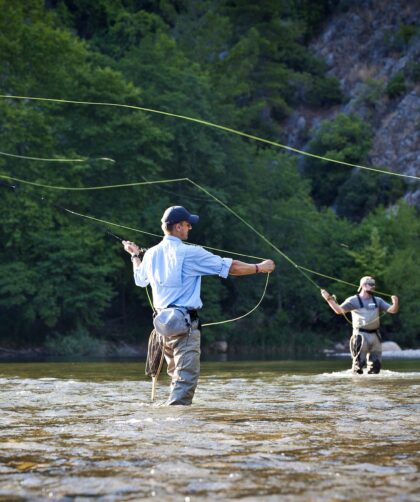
(79, 189)
(300, 268)
(25, 157)
(208, 124)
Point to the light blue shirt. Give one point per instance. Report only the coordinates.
(174, 270)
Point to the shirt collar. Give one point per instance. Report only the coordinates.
(171, 238)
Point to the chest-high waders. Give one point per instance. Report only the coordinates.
(365, 343)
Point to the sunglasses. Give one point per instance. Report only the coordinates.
(370, 283)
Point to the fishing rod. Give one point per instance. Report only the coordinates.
(62, 209)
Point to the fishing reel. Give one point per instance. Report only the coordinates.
(140, 254)
(142, 251)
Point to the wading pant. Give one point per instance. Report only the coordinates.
(366, 348)
(182, 354)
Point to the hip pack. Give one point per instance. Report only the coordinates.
(172, 321)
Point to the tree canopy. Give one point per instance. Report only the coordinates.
(238, 64)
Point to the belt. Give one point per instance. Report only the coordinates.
(368, 330)
(193, 312)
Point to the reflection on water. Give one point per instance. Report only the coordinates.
(269, 431)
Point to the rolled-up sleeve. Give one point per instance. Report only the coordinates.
(226, 264)
(198, 261)
(140, 276)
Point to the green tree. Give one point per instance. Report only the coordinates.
(363, 191)
(78, 271)
(371, 259)
(346, 138)
(257, 61)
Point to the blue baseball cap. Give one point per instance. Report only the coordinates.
(175, 214)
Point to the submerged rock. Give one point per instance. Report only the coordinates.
(219, 347)
(390, 347)
(340, 347)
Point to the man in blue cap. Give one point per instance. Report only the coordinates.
(174, 270)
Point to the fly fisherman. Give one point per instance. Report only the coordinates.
(365, 343)
(174, 270)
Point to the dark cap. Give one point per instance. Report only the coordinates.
(175, 214)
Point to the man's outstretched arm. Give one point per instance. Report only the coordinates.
(332, 303)
(241, 268)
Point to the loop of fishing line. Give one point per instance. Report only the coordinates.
(248, 313)
(208, 124)
(52, 187)
(98, 220)
(202, 122)
(300, 268)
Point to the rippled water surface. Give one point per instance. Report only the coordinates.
(257, 431)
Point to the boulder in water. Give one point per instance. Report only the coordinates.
(219, 347)
(390, 347)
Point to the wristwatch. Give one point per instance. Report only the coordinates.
(134, 256)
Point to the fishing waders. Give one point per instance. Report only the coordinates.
(182, 354)
(366, 349)
(365, 344)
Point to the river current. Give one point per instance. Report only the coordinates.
(278, 430)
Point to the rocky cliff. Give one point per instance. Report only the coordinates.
(373, 48)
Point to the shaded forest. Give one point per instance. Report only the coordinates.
(66, 285)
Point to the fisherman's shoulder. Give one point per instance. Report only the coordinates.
(195, 251)
(350, 303)
(382, 304)
(194, 247)
(351, 299)
(152, 250)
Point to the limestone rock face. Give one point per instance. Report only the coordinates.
(366, 45)
(397, 139)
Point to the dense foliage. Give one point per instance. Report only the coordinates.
(241, 64)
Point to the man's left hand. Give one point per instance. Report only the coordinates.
(267, 266)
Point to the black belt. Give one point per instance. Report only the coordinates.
(368, 330)
(193, 314)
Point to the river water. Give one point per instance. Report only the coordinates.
(279, 430)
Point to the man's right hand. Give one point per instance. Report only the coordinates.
(325, 294)
(131, 247)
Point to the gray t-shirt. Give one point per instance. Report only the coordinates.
(352, 303)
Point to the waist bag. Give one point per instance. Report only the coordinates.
(172, 321)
